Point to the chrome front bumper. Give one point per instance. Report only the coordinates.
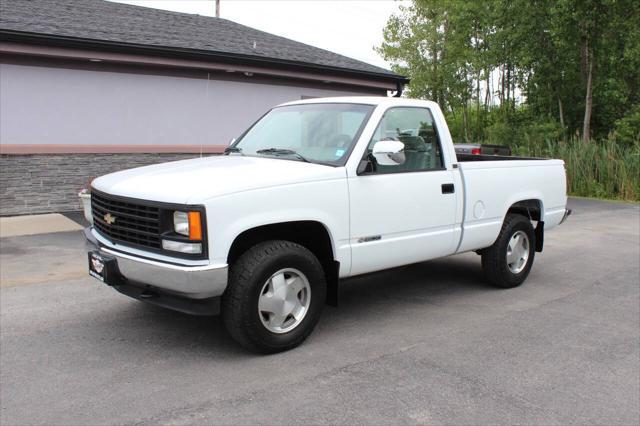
(191, 282)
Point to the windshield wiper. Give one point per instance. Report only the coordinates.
(282, 151)
(231, 149)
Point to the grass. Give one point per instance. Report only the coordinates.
(596, 169)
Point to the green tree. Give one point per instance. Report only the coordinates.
(575, 63)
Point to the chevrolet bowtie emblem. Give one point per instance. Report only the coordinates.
(109, 219)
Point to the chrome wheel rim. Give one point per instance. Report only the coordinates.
(284, 300)
(518, 252)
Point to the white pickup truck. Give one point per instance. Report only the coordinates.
(314, 192)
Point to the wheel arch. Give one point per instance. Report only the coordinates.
(532, 209)
(312, 234)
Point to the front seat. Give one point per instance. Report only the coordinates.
(431, 141)
(415, 151)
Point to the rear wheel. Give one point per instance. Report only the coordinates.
(508, 261)
(275, 296)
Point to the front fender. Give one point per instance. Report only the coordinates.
(325, 202)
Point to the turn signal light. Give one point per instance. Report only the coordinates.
(195, 226)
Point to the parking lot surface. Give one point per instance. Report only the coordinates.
(427, 344)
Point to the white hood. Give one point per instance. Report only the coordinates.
(193, 181)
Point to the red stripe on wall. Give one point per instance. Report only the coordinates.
(27, 149)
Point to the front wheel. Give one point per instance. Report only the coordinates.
(275, 295)
(508, 261)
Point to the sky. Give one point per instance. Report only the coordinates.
(349, 27)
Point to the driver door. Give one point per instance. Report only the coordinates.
(405, 213)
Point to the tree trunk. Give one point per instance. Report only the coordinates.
(508, 82)
(584, 57)
(435, 91)
(501, 86)
(486, 95)
(588, 104)
(478, 122)
(512, 86)
(465, 121)
(561, 113)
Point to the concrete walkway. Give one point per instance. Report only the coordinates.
(36, 224)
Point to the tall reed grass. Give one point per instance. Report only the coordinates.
(596, 169)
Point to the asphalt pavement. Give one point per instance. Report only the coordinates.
(423, 344)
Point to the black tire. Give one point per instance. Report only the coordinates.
(494, 258)
(247, 277)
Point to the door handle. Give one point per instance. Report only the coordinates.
(448, 188)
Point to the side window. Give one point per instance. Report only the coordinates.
(414, 127)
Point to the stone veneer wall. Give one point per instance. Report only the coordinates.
(45, 183)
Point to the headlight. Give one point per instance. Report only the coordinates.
(188, 224)
(181, 223)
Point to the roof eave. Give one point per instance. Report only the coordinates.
(226, 57)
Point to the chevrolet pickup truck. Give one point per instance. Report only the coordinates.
(314, 192)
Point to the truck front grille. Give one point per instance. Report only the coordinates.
(124, 221)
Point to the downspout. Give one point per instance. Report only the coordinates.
(398, 90)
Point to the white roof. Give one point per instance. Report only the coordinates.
(370, 100)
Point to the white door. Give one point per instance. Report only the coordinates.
(405, 213)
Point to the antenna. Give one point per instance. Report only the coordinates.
(217, 8)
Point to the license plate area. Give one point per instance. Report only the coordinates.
(103, 268)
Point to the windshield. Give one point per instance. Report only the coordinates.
(319, 133)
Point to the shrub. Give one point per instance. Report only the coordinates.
(596, 169)
(627, 129)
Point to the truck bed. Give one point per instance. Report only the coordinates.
(493, 183)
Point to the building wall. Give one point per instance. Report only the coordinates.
(49, 105)
(50, 182)
(63, 106)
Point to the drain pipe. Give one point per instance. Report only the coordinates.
(399, 90)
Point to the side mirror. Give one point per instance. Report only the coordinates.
(389, 153)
